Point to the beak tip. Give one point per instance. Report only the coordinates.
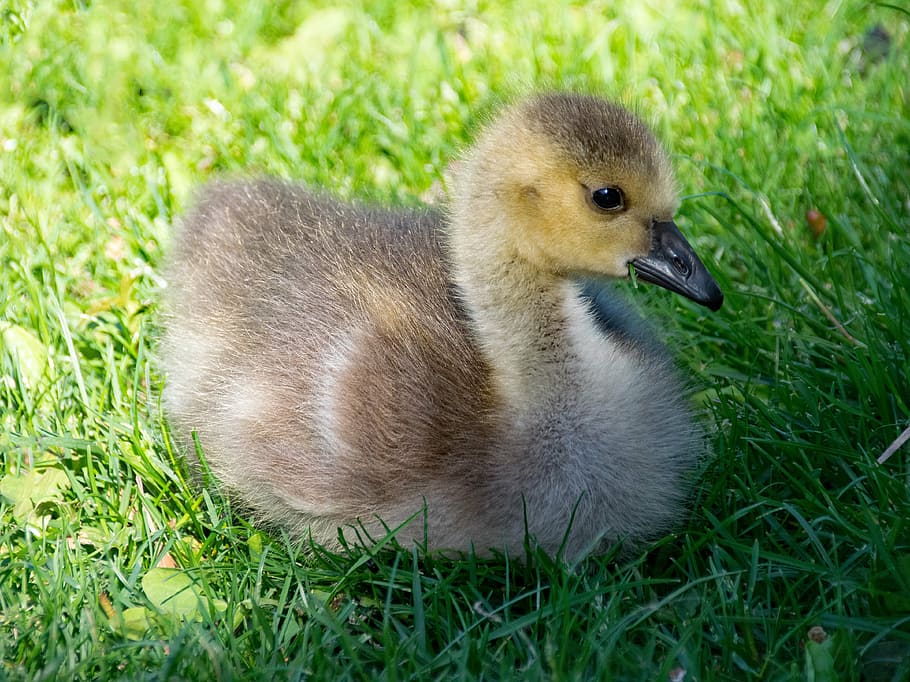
(714, 300)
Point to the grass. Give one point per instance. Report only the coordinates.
(113, 567)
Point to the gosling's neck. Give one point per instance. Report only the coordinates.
(519, 313)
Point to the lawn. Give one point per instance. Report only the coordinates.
(789, 125)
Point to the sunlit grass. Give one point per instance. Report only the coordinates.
(113, 114)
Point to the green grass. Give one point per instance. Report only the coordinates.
(111, 115)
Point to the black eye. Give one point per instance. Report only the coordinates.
(607, 198)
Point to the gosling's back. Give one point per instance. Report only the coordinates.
(323, 357)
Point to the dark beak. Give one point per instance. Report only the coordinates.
(673, 265)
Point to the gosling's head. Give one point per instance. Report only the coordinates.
(584, 188)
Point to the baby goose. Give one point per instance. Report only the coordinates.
(350, 367)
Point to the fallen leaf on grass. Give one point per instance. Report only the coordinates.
(308, 46)
(174, 592)
(816, 221)
(24, 349)
(31, 490)
(133, 623)
(176, 598)
(166, 561)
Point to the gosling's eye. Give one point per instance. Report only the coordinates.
(608, 198)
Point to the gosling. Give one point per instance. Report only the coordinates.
(350, 369)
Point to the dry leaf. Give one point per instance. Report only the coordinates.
(816, 221)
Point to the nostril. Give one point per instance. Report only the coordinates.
(680, 265)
